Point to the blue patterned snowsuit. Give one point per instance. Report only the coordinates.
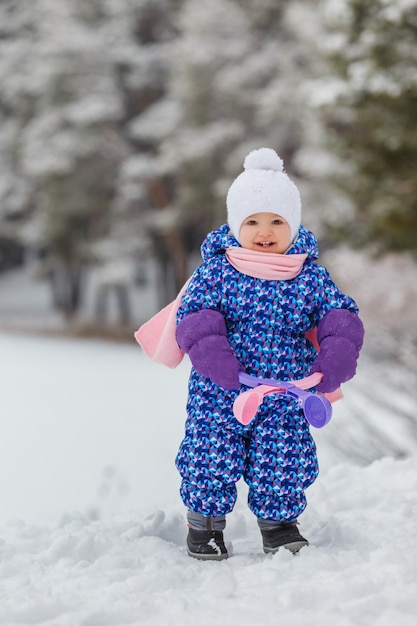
(266, 321)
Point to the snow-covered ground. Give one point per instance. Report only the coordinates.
(92, 529)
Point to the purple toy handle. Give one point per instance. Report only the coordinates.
(316, 407)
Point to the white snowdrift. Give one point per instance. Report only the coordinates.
(92, 529)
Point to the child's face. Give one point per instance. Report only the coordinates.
(265, 232)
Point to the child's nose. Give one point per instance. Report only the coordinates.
(264, 230)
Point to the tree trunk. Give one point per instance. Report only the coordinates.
(67, 285)
(168, 247)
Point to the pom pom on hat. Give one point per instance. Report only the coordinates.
(263, 187)
(263, 159)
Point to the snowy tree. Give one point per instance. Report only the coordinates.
(73, 75)
(370, 116)
(60, 98)
(144, 76)
(137, 34)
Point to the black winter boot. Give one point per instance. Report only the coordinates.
(281, 535)
(207, 545)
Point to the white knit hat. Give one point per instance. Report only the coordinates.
(263, 187)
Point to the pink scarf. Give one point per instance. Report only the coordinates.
(266, 265)
(157, 336)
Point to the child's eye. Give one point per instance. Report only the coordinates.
(277, 222)
(251, 222)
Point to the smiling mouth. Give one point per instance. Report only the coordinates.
(265, 244)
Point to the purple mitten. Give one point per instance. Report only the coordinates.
(202, 335)
(340, 336)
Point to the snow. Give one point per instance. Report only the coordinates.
(92, 529)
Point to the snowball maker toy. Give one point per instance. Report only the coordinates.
(317, 408)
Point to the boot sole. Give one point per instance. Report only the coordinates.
(294, 547)
(207, 557)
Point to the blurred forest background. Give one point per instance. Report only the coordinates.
(123, 123)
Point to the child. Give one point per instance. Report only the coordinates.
(234, 319)
(247, 309)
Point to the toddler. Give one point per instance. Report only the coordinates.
(248, 308)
